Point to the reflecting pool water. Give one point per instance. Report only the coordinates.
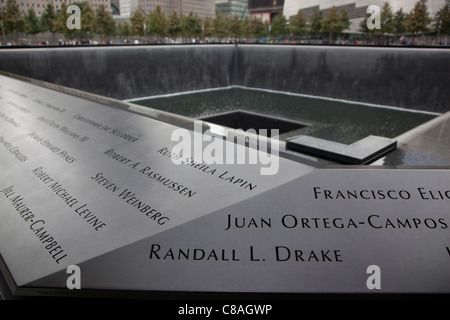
(334, 120)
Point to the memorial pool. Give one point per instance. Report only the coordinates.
(331, 119)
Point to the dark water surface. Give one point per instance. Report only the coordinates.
(328, 119)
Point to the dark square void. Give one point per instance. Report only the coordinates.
(321, 118)
(240, 119)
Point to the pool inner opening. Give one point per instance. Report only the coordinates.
(240, 119)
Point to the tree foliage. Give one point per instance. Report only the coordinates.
(208, 27)
(2, 28)
(124, 29)
(299, 24)
(104, 22)
(48, 19)
(419, 19)
(31, 23)
(191, 26)
(174, 25)
(316, 23)
(257, 29)
(442, 20)
(88, 19)
(157, 24)
(137, 21)
(279, 25)
(220, 26)
(387, 19)
(398, 22)
(235, 27)
(11, 17)
(335, 22)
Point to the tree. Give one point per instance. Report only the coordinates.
(157, 22)
(12, 19)
(442, 20)
(2, 27)
(299, 24)
(279, 25)
(137, 20)
(47, 21)
(234, 27)
(398, 22)
(316, 23)
(125, 29)
(387, 19)
(191, 26)
(174, 25)
(208, 27)
(257, 29)
(31, 23)
(335, 22)
(87, 19)
(344, 21)
(220, 26)
(418, 19)
(245, 24)
(104, 22)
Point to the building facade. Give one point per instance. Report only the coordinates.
(238, 8)
(39, 5)
(265, 10)
(125, 8)
(202, 8)
(356, 9)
